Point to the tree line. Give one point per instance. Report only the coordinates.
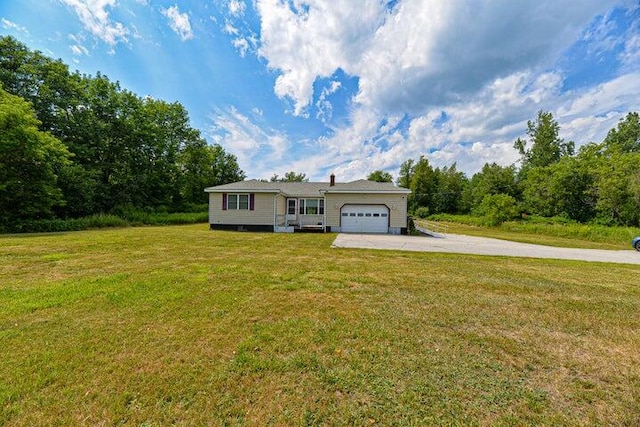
(73, 145)
(600, 183)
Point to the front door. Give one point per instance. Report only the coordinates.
(292, 209)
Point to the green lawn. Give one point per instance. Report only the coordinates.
(180, 325)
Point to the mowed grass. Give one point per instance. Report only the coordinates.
(184, 326)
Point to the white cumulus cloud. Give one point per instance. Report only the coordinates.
(79, 50)
(179, 22)
(258, 150)
(237, 7)
(456, 81)
(10, 25)
(421, 53)
(94, 16)
(304, 41)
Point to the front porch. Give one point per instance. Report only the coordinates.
(299, 223)
(296, 213)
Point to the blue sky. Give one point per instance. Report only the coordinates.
(322, 87)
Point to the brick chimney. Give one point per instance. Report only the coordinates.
(332, 180)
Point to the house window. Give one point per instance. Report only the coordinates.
(238, 202)
(311, 206)
(291, 206)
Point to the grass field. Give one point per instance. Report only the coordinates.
(180, 325)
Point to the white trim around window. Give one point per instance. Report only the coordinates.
(311, 206)
(238, 202)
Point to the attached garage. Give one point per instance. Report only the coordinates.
(364, 219)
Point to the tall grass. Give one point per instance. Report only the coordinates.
(590, 232)
(552, 231)
(124, 219)
(164, 218)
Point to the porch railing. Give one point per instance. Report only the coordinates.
(302, 221)
(311, 220)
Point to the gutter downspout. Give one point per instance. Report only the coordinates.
(324, 214)
(275, 212)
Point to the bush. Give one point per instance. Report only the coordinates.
(422, 212)
(103, 221)
(45, 226)
(194, 208)
(497, 208)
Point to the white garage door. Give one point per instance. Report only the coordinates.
(364, 219)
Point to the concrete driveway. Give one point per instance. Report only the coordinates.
(455, 243)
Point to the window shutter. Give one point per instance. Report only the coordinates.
(224, 201)
(252, 201)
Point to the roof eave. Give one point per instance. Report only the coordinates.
(241, 190)
(403, 191)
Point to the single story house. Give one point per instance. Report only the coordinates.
(358, 207)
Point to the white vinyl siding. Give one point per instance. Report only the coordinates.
(261, 215)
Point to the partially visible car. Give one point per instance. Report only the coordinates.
(636, 243)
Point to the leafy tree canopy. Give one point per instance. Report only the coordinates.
(290, 177)
(626, 136)
(380, 176)
(544, 146)
(29, 159)
(492, 179)
(128, 152)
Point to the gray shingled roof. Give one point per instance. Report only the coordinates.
(307, 189)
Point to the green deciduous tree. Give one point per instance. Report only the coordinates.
(626, 136)
(28, 161)
(204, 165)
(450, 185)
(433, 190)
(497, 208)
(406, 173)
(618, 189)
(380, 176)
(290, 177)
(52, 90)
(545, 146)
(492, 179)
(129, 152)
(423, 185)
